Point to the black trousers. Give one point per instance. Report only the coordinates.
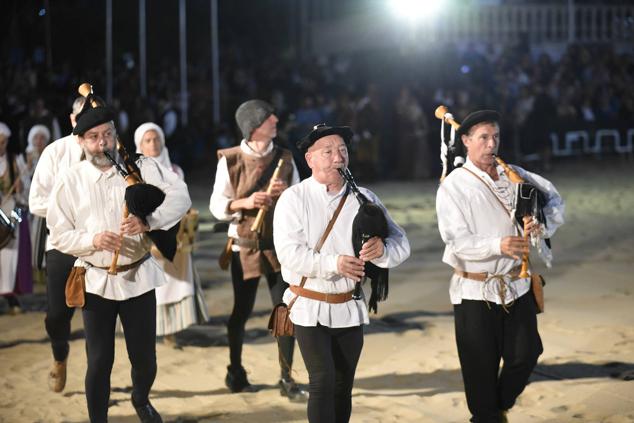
(58, 315)
(244, 293)
(331, 356)
(485, 336)
(138, 318)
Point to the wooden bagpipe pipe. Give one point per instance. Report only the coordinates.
(259, 219)
(528, 200)
(369, 222)
(451, 154)
(141, 199)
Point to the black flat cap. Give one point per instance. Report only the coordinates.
(475, 118)
(91, 117)
(322, 130)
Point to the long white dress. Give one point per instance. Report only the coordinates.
(179, 303)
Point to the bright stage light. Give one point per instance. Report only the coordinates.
(415, 9)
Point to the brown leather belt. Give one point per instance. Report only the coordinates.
(256, 244)
(126, 266)
(344, 297)
(484, 276)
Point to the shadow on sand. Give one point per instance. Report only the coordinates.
(213, 333)
(427, 384)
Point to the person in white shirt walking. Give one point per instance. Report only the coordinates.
(56, 157)
(85, 218)
(495, 313)
(240, 190)
(328, 320)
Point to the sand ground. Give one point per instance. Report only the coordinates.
(409, 369)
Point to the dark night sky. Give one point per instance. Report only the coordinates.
(78, 28)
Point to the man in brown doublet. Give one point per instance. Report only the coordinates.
(242, 187)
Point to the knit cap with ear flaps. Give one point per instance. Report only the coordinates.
(251, 114)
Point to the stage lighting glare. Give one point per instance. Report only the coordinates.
(415, 9)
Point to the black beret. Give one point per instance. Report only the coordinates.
(322, 130)
(475, 118)
(90, 117)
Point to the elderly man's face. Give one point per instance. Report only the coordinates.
(482, 143)
(151, 144)
(97, 140)
(325, 157)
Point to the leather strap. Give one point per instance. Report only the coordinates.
(321, 296)
(484, 276)
(266, 175)
(323, 239)
(125, 267)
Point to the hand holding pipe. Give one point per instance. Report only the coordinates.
(259, 219)
(130, 179)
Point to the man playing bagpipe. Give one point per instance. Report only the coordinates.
(86, 220)
(314, 231)
(478, 207)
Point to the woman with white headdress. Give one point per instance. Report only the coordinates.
(179, 302)
(15, 245)
(38, 138)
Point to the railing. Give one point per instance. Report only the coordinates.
(540, 23)
(503, 23)
(578, 142)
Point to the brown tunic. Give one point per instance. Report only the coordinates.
(244, 172)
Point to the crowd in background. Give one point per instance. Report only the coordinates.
(388, 97)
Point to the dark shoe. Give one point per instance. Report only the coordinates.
(237, 381)
(290, 389)
(147, 413)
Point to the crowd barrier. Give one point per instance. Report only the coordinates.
(604, 140)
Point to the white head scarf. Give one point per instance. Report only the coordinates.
(4, 129)
(164, 157)
(37, 129)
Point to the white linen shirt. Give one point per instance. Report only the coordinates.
(223, 192)
(472, 224)
(301, 216)
(56, 157)
(86, 201)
